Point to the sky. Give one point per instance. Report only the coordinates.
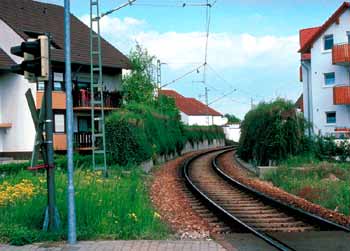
(252, 46)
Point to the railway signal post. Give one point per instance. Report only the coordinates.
(36, 66)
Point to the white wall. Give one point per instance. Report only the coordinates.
(203, 120)
(232, 132)
(14, 109)
(13, 104)
(322, 96)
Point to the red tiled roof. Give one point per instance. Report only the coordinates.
(315, 34)
(5, 60)
(304, 37)
(190, 106)
(171, 93)
(27, 15)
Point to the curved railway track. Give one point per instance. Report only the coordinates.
(243, 209)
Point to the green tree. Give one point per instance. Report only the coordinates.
(232, 119)
(138, 86)
(272, 131)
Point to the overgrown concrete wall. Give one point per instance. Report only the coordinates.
(149, 164)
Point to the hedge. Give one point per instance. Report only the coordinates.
(138, 133)
(271, 132)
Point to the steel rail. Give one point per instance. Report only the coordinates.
(228, 217)
(329, 225)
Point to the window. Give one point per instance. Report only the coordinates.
(40, 86)
(59, 123)
(348, 36)
(329, 78)
(84, 124)
(58, 86)
(331, 117)
(58, 81)
(328, 42)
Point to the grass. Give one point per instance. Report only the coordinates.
(324, 183)
(114, 208)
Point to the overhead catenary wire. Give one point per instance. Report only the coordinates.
(183, 76)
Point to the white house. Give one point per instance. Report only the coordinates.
(232, 132)
(194, 112)
(18, 19)
(325, 74)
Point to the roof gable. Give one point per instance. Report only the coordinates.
(307, 44)
(27, 15)
(190, 106)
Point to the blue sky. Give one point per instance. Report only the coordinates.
(252, 47)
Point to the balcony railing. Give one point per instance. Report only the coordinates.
(83, 140)
(82, 99)
(341, 95)
(341, 54)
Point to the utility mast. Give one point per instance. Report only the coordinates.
(99, 158)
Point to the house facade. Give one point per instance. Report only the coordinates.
(194, 112)
(20, 18)
(325, 74)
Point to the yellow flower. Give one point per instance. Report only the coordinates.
(133, 216)
(156, 215)
(20, 192)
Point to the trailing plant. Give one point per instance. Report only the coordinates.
(271, 132)
(139, 132)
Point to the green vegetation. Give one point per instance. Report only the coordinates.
(113, 208)
(324, 183)
(139, 132)
(138, 86)
(232, 119)
(271, 132)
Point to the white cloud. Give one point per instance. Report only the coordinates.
(226, 50)
(255, 64)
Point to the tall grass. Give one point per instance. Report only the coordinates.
(114, 208)
(323, 183)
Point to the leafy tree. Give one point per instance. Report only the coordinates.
(138, 86)
(232, 119)
(272, 131)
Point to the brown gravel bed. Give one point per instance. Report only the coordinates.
(232, 168)
(171, 201)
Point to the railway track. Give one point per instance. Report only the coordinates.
(234, 207)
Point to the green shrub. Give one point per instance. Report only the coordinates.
(140, 132)
(272, 131)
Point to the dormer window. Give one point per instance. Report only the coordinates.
(328, 42)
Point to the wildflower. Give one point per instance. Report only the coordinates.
(156, 215)
(20, 192)
(133, 216)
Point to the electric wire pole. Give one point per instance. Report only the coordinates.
(72, 235)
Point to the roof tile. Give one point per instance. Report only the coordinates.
(190, 106)
(28, 15)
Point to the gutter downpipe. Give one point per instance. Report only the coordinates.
(308, 79)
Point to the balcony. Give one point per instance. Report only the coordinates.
(83, 141)
(341, 54)
(341, 95)
(82, 100)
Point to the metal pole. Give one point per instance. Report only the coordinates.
(53, 221)
(72, 236)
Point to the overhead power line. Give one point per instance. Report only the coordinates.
(182, 76)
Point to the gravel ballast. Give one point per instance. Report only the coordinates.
(229, 165)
